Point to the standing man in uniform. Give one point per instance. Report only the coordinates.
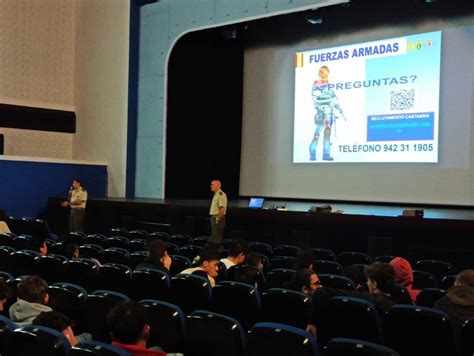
(217, 213)
(77, 201)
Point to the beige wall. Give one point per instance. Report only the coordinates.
(101, 86)
(37, 69)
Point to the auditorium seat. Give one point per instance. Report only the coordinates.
(280, 277)
(349, 258)
(68, 298)
(115, 277)
(172, 248)
(167, 325)
(96, 348)
(335, 281)
(283, 262)
(423, 280)
(158, 235)
(98, 305)
(118, 231)
(349, 317)
(384, 258)
(201, 240)
(190, 251)
(137, 245)
(6, 239)
(22, 242)
(280, 340)
(323, 254)
(78, 237)
(118, 241)
(148, 283)
(429, 296)
(96, 239)
(237, 300)
(262, 248)
(52, 268)
(24, 262)
(448, 281)
(353, 347)
(327, 267)
(137, 257)
(6, 257)
(467, 338)
(6, 328)
(37, 340)
(286, 307)
(438, 268)
(286, 250)
(181, 239)
(400, 294)
(414, 331)
(83, 272)
(179, 263)
(138, 234)
(91, 250)
(116, 255)
(214, 334)
(190, 292)
(6, 277)
(227, 243)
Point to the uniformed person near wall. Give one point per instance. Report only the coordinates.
(217, 212)
(77, 201)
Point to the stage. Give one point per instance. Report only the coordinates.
(443, 233)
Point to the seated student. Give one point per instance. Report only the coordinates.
(69, 249)
(157, 258)
(3, 222)
(306, 281)
(207, 265)
(59, 322)
(129, 329)
(248, 275)
(254, 259)
(238, 252)
(404, 276)
(304, 259)
(32, 299)
(5, 293)
(459, 300)
(38, 244)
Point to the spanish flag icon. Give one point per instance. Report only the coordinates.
(299, 60)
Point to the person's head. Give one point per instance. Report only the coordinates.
(254, 259)
(5, 293)
(59, 322)
(238, 251)
(403, 271)
(465, 278)
(128, 323)
(209, 261)
(306, 281)
(215, 186)
(304, 259)
(380, 277)
(33, 289)
(38, 243)
(3, 215)
(323, 72)
(76, 183)
(248, 275)
(158, 253)
(70, 249)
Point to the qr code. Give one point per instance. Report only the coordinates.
(402, 99)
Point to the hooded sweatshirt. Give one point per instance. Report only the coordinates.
(404, 276)
(23, 312)
(458, 304)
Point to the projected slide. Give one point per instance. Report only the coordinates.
(368, 102)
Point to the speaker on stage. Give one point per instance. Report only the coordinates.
(1, 144)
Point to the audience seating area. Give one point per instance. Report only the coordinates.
(188, 316)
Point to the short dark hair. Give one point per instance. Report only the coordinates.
(302, 278)
(383, 274)
(247, 274)
(239, 246)
(253, 259)
(466, 277)
(32, 289)
(5, 291)
(208, 254)
(156, 250)
(126, 322)
(37, 241)
(68, 248)
(54, 320)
